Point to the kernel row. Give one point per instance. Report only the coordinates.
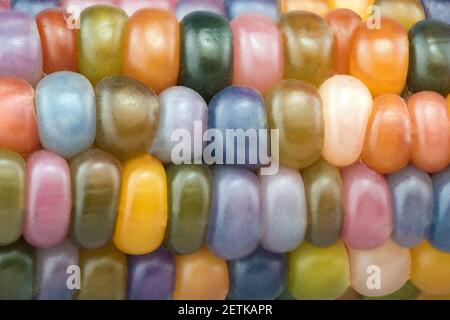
(207, 53)
(140, 205)
(122, 116)
(67, 272)
(406, 11)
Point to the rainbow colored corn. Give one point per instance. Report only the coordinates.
(359, 206)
